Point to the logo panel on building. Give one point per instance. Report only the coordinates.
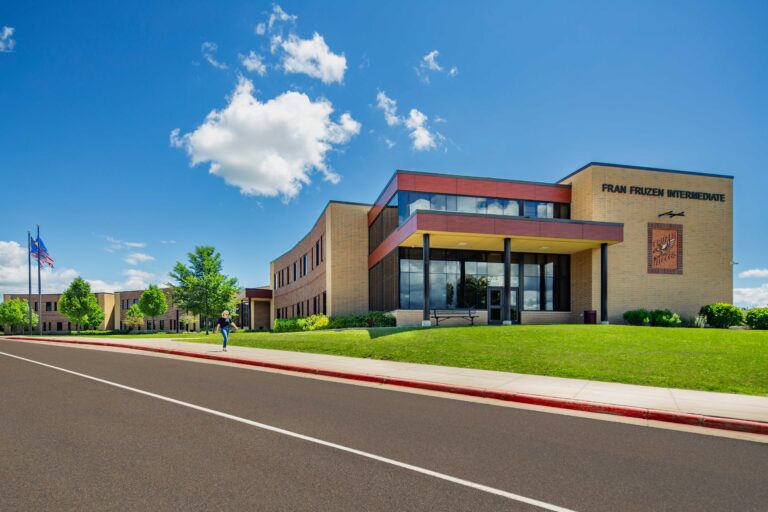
(665, 248)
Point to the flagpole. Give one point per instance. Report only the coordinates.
(39, 285)
(29, 268)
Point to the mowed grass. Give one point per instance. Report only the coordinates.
(731, 361)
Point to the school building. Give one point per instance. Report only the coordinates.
(604, 239)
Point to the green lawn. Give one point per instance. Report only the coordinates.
(734, 361)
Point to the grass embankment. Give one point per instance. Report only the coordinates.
(731, 361)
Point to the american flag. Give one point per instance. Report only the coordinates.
(40, 253)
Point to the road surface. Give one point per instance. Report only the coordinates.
(199, 436)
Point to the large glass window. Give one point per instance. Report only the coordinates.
(408, 203)
(460, 279)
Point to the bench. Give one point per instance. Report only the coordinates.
(468, 314)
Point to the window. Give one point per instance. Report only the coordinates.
(149, 325)
(324, 303)
(162, 324)
(59, 326)
(56, 306)
(317, 253)
(48, 306)
(294, 270)
(35, 306)
(135, 301)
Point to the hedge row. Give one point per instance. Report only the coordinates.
(316, 322)
(718, 315)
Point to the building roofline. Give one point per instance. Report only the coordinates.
(643, 168)
(464, 176)
(329, 203)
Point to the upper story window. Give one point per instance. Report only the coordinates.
(410, 202)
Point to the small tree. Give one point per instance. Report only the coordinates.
(15, 313)
(77, 303)
(134, 318)
(201, 288)
(152, 303)
(187, 319)
(94, 319)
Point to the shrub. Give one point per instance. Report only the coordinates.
(636, 316)
(664, 318)
(722, 315)
(370, 319)
(313, 323)
(757, 318)
(287, 325)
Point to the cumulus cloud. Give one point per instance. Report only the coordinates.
(313, 57)
(754, 272)
(260, 29)
(253, 63)
(7, 42)
(389, 106)
(278, 15)
(138, 257)
(14, 272)
(423, 139)
(134, 280)
(268, 148)
(429, 64)
(209, 50)
(751, 297)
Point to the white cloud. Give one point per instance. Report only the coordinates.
(134, 280)
(423, 139)
(754, 272)
(119, 245)
(7, 42)
(268, 148)
(389, 106)
(254, 63)
(279, 15)
(135, 258)
(260, 29)
(389, 142)
(751, 297)
(314, 58)
(166, 242)
(14, 272)
(429, 65)
(209, 50)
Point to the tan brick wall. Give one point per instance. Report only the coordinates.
(260, 315)
(303, 288)
(348, 258)
(413, 317)
(546, 317)
(131, 295)
(707, 241)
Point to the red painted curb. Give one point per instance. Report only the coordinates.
(752, 427)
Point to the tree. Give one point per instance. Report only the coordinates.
(134, 318)
(201, 288)
(78, 304)
(152, 303)
(15, 313)
(187, 319)
(94, 319)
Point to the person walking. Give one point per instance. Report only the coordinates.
(225, 324)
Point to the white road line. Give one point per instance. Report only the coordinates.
(417, 469)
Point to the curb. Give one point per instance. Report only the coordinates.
(698, 420)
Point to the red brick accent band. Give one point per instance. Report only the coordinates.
(698, 420)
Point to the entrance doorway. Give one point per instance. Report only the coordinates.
(495, 294)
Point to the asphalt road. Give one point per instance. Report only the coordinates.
(70, 443)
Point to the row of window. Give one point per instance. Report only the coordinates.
(48, 326)
(460, 279)
(317, 305)
(127, 303)
(302, 266)
(49, 306)
(409, 202)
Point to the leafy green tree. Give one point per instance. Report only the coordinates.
(134, 318)
(152, 303)
(77, 303)
(15, 313)
(201, 288)
(94, 319)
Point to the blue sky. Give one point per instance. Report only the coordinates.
(92, 93)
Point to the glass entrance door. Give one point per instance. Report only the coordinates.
(494, 304)
(495, 293)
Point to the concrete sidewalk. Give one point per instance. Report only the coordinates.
(743, 407)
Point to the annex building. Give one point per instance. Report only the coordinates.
(605, 239)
